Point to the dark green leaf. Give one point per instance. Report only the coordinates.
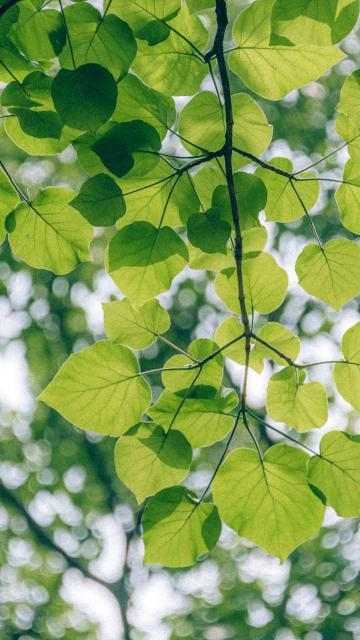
(100, 201)
(86, 97)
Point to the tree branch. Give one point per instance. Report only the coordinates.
(218, 50)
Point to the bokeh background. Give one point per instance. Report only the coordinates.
(70, 553)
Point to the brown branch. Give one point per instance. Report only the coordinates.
(218, 50)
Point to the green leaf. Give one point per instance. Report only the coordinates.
(273, 70)
(348, 197)
(208, 231)
(272, 332)
(147, 459)
(13, 63)
(202, 122)
(254, 240)
(201, 417)
(269, 502)
(38, 34)
(265, 284)
(39, 124)
(8, 200)
(300, 405)
(136, 101)
(347, 122)
(251, 197)
(15, 95)
(100, 201)
(278, 337)
(177, 528)
(282, 204)
(171, 66)
(104, 40)
(148, 196)
(143, 260)
(137, 328)
(211, 373)
(37, 86)
(314, 21)
(331, 274)
(146, 17)
(347, 376)
(84, 98)
(37, 146)
(337, 473)
(197, 6)
(100, 389)
(209, 174)
(210, 261)
(48, 233)
(232, 330)
(42, 121)
(8, 18)
(127, 145)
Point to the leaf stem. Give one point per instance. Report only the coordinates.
(316, 235)
(176, 348)
(67, 34)
(314, 164)
(21, 195)
(228, 443)
(285, 435)
(274, 349)
(263, 164)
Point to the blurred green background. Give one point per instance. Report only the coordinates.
(70, 554)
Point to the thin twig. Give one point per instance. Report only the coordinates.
(317, 237)
(67, 34)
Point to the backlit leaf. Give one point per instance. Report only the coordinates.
(171, 66)
(202, 122)
(211, 373)
(127, 145)
(314, 21)
(147, 459)
(143, 260)
(331, 274)
(100, 201)
(265, 284)
(136, 101)
(177, 528)
(100, 389)
(208, 231)
(347, 376)
(336, 472)
(269, 502)
(147, 18)
(283, 205)
(137, 328)
(273, 70)
(48, 233)
(201, 417)
(301, 405)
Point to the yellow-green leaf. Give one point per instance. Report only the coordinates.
(147, 459)
(331, 273)
(268, 501)
(100, 389)
(300, 405)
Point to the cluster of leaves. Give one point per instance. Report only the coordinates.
(106, 83)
